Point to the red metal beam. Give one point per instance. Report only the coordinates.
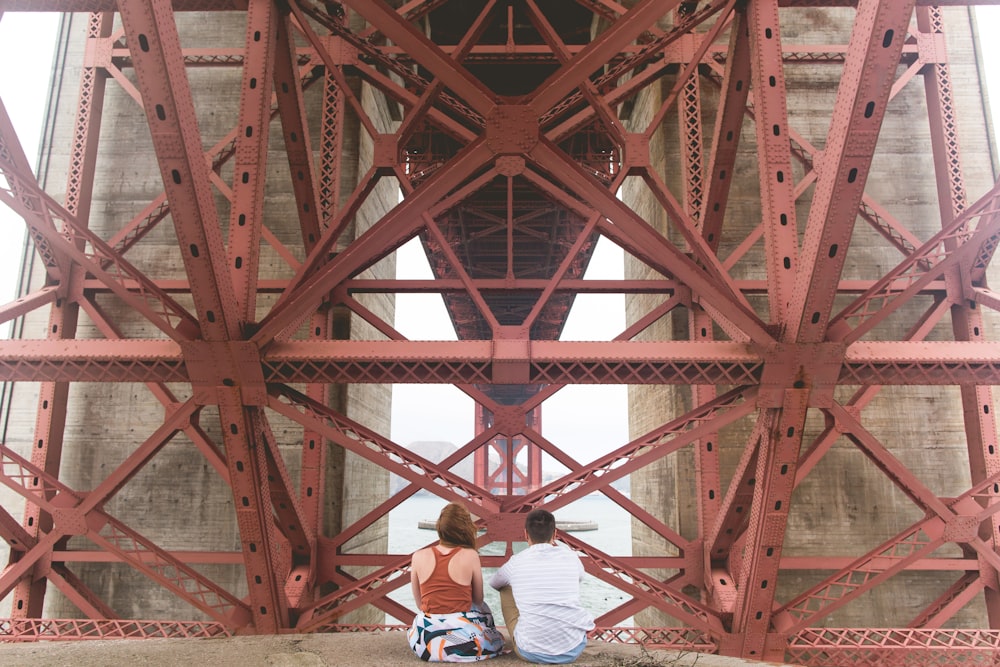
(380, 450)
(873, 53)
(965, 236)
(774, 155)
(155, 46)
(843, 647)
(887, 559)
(462, 362)
(99, 260)
(49, 629)
(633, 233)
(246, 215)
(599, 52)
(676, 604)
(472, 91)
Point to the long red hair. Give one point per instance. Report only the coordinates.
(455, 527)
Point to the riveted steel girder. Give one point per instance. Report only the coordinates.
(507, 141)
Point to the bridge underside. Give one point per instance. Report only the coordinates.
(807, 252)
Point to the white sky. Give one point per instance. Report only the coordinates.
(586, 421)
(23, 88)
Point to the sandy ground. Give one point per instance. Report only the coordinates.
(349, 650)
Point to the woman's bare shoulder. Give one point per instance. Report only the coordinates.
(422, 554)
(470, 554)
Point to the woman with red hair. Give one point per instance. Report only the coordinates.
(455, 625)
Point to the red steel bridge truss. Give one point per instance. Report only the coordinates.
(516, 132)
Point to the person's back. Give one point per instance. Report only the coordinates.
(454, 625)
(540, 597)
(446, 579)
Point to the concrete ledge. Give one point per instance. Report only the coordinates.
(322, 650)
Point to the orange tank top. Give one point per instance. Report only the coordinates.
(440, 594)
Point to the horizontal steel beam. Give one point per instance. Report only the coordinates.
(38, 629)
(894, 646)
(812, 563)
(510, 362)
(451, 285)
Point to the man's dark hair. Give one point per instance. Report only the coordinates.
(540, 525)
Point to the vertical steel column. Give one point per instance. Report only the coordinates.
(706, 458)
(533, 419)
(246, 216)
(777, 185)
(708, 479)
(692, 146)
(298, 145)
(967, 320)
(774, 477)
(725, 142)
(862, 98)
(481, 459)
(29, 596)
(266, 558)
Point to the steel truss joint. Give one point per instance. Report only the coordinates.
(97, 52)
(511, 129)
(774, 646)
(385, 151)
(815, 366)
(341, 51)
(509, 420)
(512, 357)
(636, 150)
(220, 366)
(683, 49)
(931, 48)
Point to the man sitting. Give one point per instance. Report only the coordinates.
(540, 596)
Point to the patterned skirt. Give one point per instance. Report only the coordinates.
(461, 637)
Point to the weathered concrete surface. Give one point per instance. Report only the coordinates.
(353, 650)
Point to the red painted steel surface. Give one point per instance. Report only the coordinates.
(516, 129)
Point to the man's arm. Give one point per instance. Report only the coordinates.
(501, 577)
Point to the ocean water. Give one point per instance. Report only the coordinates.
(613, 536)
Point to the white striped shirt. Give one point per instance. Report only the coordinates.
(545, 580)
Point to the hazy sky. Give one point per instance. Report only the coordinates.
(589, 418)
(584, 420)
(23, 88)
